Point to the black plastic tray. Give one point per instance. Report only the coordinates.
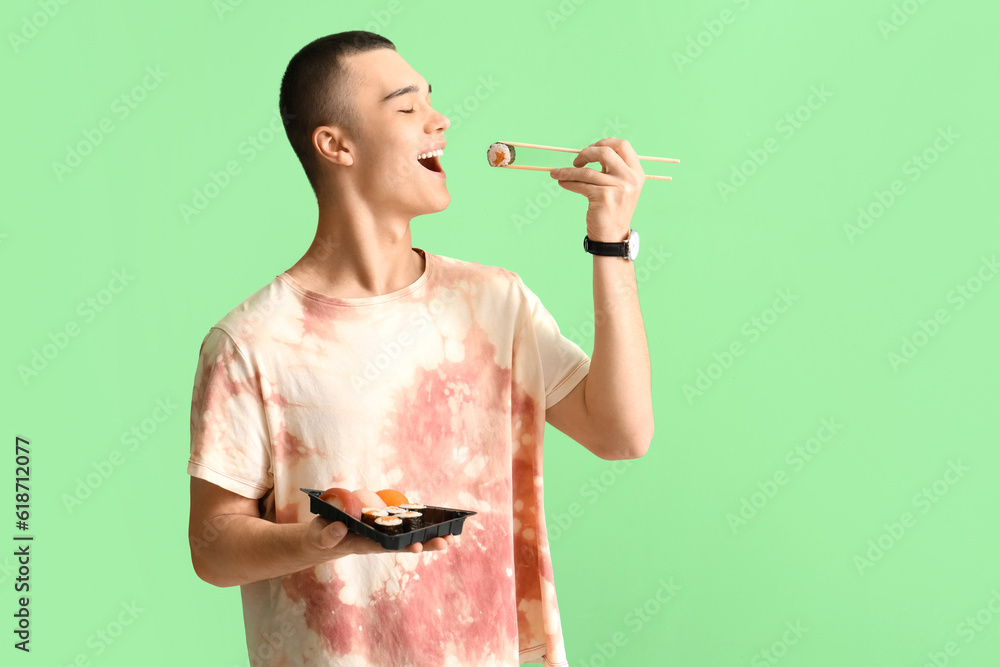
(440, 521)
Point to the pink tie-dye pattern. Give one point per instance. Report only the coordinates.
(463, 433)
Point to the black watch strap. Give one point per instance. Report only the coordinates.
(605, 249)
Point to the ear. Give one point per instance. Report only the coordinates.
(332, 145)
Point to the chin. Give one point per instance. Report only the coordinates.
(442, 203)
(437, 208)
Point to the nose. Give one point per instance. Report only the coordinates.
(439, 121)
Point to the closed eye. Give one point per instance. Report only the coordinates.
(406, 110)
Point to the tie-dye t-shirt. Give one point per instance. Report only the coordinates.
(438, 390)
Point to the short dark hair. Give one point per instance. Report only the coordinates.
(314, 91)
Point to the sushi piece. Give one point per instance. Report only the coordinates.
(392, 497)
(413, 507)
(395, 511)
(411, 520)
(500, 154)
(343, 500)
(369, 498)
(369, 514)
(391, 525)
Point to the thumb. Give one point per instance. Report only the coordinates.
(332, 534)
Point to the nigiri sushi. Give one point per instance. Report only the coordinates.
(343, 500)
(392, 497)
(369, 498)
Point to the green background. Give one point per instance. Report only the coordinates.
(894, 76)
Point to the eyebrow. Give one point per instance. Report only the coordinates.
(404, 91)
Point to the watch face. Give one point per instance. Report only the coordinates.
(633, 245)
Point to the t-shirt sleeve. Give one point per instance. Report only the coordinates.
(564, 363)
(230, 446)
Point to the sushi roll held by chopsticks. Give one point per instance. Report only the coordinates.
(501, 154)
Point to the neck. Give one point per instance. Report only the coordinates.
(358, 252)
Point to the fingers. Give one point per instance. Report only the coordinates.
(359, 544)
(618, 161)
(433, 544)
(582, 175)
(325, 534)
(611, 162)
(585, 189)
(436, 544)
(334, 533)
(624, 150)
(333, 538)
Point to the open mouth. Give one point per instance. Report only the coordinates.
(431, 160)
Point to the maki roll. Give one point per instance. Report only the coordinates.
(391, 525)
(369, 514)
(500, 154)
(413, 507)
(393, 510)
(411, 520)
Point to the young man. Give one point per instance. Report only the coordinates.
(374, 364)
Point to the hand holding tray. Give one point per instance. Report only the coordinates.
(438, 522)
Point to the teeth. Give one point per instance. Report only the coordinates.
(439, 151)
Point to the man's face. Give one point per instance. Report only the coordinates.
(397, 124)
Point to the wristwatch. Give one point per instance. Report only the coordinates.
(629, 249)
